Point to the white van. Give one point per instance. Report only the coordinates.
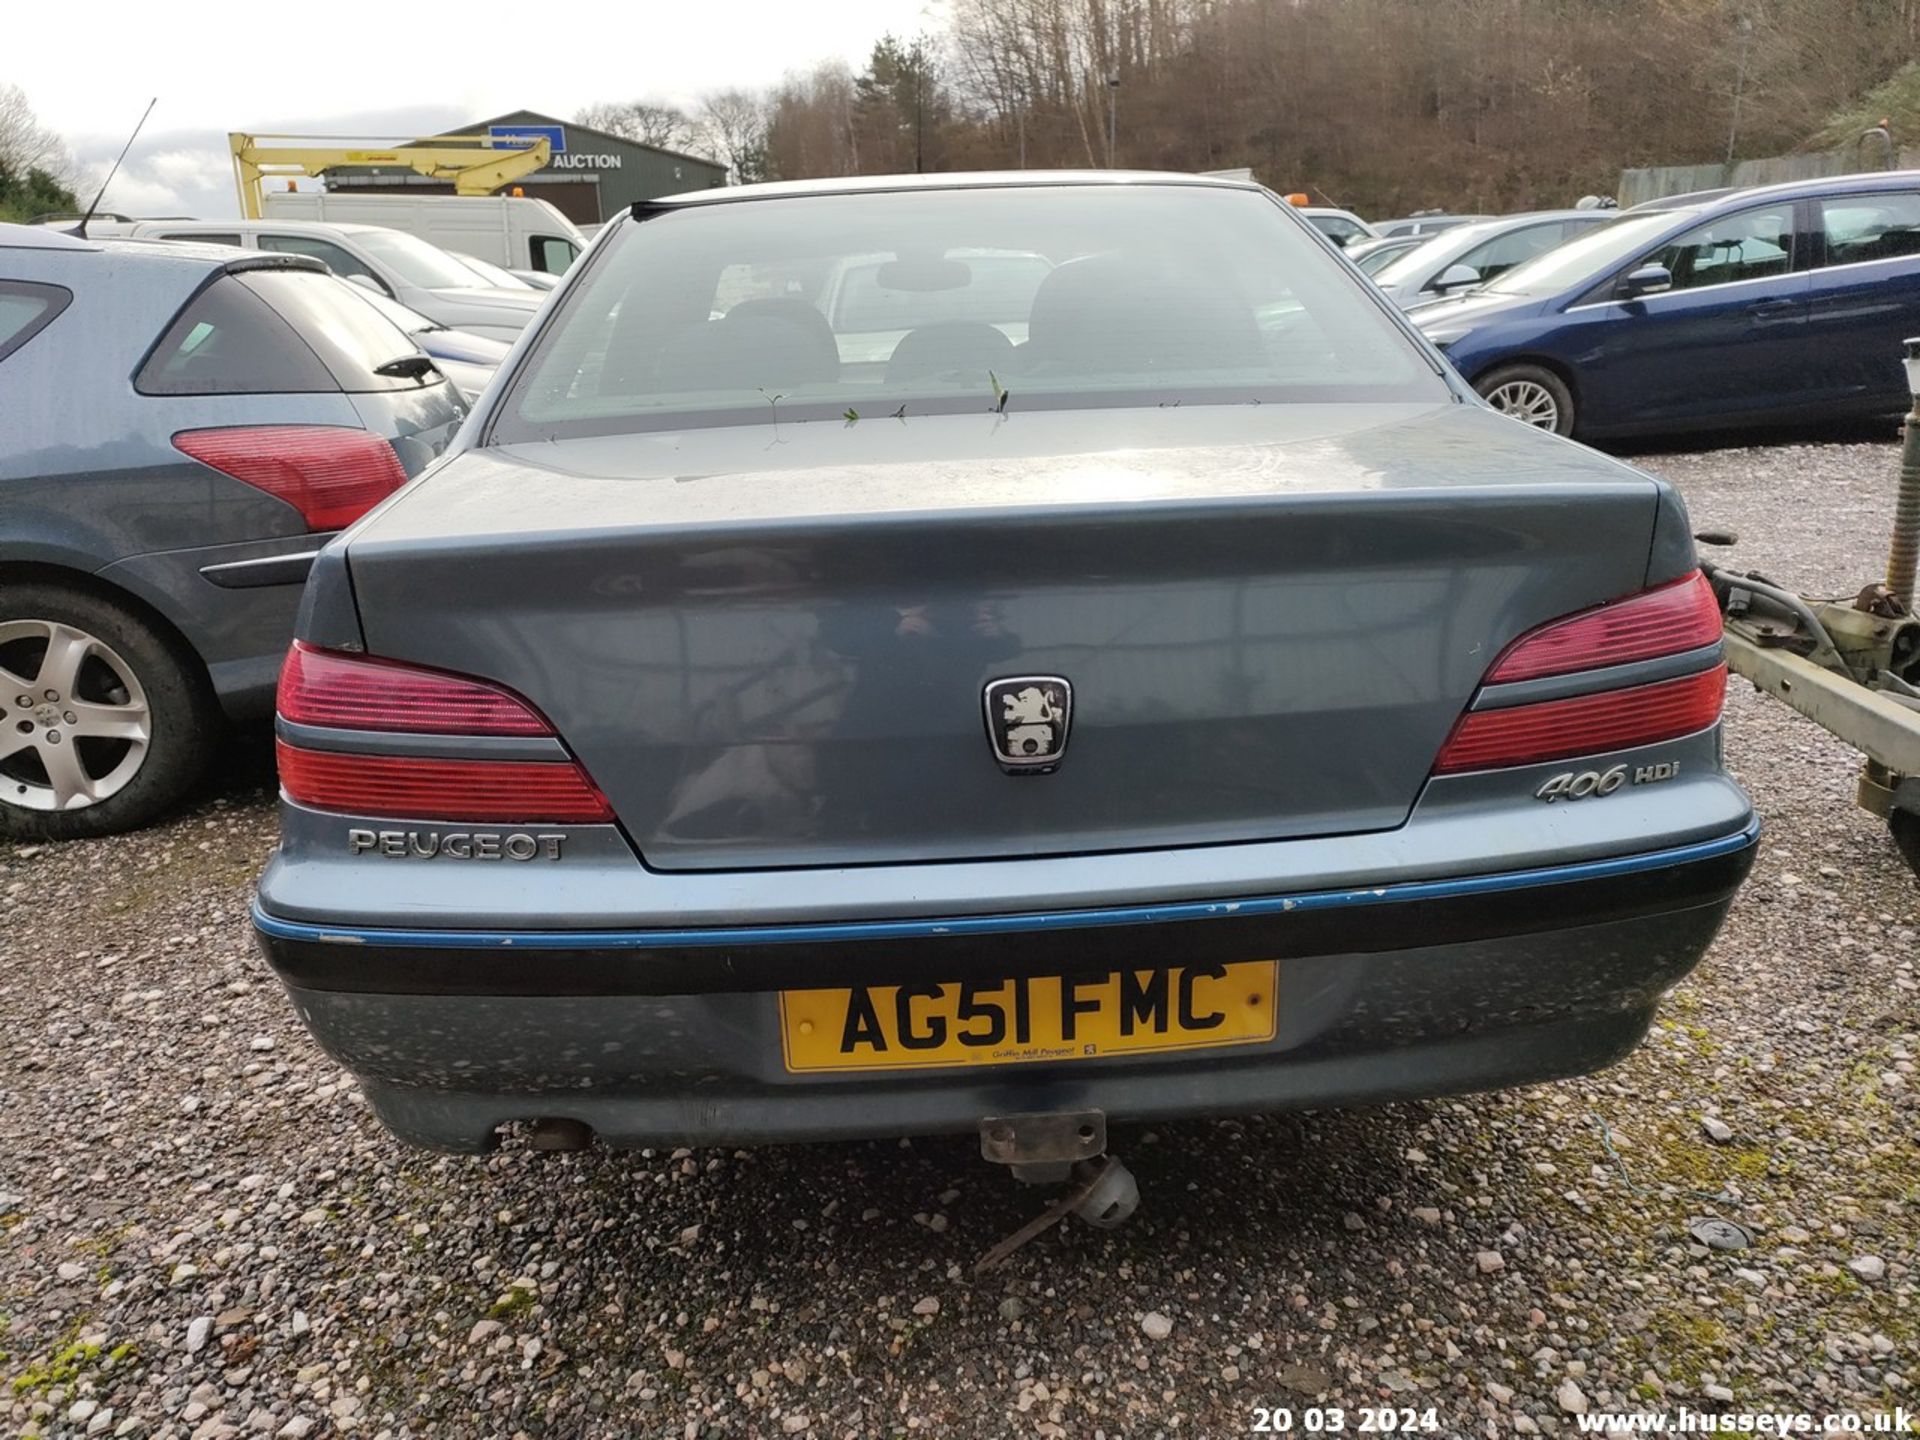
(512, 231)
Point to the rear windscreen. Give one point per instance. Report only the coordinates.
(351, 337)
(276, 332)
(912, 302)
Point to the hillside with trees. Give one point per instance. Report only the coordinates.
(1384, 105)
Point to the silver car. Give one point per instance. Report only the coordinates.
(469, 361)
(1200, 703)
(402, 267)
(1465, 256)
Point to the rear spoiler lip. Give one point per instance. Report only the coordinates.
(271, 260)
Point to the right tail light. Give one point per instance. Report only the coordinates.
(1666, 620)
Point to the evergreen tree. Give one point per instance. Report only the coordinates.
(34, 193)
(901, 111)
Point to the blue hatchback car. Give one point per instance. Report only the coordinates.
(1782, 304)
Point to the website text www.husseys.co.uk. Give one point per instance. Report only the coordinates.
(1748, 1422)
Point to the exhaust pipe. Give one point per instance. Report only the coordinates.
(561, 1133)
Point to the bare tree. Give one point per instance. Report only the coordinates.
(733, 126)
(810, 129)
(644, 121)
(26, 144)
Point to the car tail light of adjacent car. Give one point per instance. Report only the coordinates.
(327, 690)
(331, 474)
(1669, 620)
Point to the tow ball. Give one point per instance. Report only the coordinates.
(1852, 666)
(1059, 1147)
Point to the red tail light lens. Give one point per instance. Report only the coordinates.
(413, 787)
(1666, 621)
(350, 692)
(323, 688)
(331, 474)
(1584, 724)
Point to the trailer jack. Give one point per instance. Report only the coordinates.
(1852, 666)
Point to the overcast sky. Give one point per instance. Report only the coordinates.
(378, 68)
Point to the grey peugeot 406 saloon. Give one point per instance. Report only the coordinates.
(889, 654)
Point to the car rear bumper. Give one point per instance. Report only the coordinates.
(662, 1036)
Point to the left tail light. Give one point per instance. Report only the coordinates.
(411, 787)
(331, 474)
(327, 690)
(356, 692)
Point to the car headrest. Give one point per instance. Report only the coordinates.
(957, 349)
(1135, 314)
(770, 344)
(795, 312)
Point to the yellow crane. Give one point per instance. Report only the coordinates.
(476, 164)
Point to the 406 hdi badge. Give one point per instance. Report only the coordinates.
(1579, 784)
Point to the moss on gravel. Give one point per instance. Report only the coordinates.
(68, 1362)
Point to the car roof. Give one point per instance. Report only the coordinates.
(206, 256)
(64, 249)
(1568, 212)
(1493, 224)
(296, 227)
(41, 237)
(61, 242)
(1456, 240)
(1686, 201)
(204, 251)
(950, 180)
(1862, 182)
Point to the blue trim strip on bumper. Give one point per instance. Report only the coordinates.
(1003, 924)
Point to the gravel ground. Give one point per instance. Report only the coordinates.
(205, 1233)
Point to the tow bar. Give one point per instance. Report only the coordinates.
(1851, 666)
(1051, 1147)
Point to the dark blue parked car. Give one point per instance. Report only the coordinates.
(1774, 305)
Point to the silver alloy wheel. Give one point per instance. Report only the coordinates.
(1526, 400)
(81, 715)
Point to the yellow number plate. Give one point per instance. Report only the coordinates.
(1006, 1022)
